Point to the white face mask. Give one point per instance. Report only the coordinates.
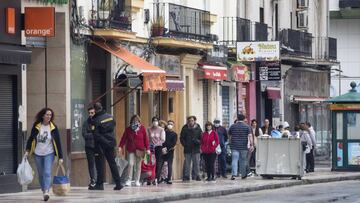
(170, 126)
(217, 125)
(155, 123)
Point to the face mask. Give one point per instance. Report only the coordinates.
(170, 127)
(155, 123)
(135, 126)
(217, 125)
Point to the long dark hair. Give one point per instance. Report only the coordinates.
(39, 116)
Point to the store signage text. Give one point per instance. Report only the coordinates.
(269, 71)
(39, 21)
(258, 51)
(213, 74)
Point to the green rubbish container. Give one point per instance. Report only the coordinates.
(279, 157)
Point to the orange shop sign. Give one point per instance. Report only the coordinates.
(10, 20)
(39, 21)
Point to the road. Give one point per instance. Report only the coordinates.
(344, 192)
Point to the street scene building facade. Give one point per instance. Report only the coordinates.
(264, 59)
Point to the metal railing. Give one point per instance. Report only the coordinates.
(110, 14)
(236, 29)
(181, 21)
(327, 48)
(295, 43)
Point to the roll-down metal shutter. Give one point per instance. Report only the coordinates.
(225, 105)
(7, 132)
(205, 101)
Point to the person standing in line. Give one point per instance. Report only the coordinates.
(164, 167)
(306, 143)
(310, 159)
(87, 133)
(223, 137)
(267, 129)
(157, 138)
(135, 140)
(209, 142)
(105, 142)
(44, 143)
(190, 138)
(240, 136)
(169, 148)
(256, 132)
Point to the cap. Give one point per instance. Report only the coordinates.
(286, 124)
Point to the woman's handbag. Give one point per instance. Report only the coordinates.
(61, 184)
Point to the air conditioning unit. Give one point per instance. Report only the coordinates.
(302, 4)
(302, 19)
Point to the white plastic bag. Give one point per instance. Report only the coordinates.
(121, 164)
(24, 172)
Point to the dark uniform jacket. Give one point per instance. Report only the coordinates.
(103, 132)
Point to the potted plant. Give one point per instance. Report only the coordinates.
(105, 7)
(157, 26)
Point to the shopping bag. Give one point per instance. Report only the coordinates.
(121, 164)
(24, 172)
(218, 150)
(61, 184)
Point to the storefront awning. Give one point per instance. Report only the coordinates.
(14, 54)
(154, 78)
(273, 92)
(175, 85)
(213, 72)
(294, 98)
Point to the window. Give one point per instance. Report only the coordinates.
(353, 126)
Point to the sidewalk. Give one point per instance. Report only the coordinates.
(179, 190)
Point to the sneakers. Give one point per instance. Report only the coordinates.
(198, 178)
(91, 184)
(46, 196)
(243, 177)
(232, 177)
(167, 181)
(137, 184)
(97, 187)
(224, 176)
(128, 183)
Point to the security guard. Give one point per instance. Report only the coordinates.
(105, 142)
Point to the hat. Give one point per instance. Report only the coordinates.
(216, 120)
(286, 124)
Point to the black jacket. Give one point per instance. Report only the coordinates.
(103, 132)
(190, 138)
(170, 140)
(223, 136)
(31, 142)
(87, 133)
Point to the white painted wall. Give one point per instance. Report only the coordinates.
(347, 32)
(334, 5)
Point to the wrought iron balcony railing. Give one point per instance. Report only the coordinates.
(296, 43)
(110, 14)
(237, 29)
(180, 21)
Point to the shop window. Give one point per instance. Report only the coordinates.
(354, 154)
(339, 126)
(171, 105)
(353, 126)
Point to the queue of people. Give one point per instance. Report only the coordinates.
(159, 140)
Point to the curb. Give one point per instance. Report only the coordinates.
(221, 192)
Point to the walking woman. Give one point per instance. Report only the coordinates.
(44, 142)
(157, 138)
(209, 142)
(136, 142)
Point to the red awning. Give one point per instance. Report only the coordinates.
(273, 92)
(212, 72)
(154, 78)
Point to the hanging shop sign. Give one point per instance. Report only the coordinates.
(219, 53)
(10, 20)
(240, 73)
(258, 51)
(212, 72)
(169, 63)
(270, 71)
(39, 21)
(154, 82)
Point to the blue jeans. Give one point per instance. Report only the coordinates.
(44, 167)
(235, 157)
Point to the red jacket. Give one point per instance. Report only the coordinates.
(209, 142)
(135, 140)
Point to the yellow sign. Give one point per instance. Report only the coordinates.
(345, 107)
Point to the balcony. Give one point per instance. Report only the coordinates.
(171, 20)
(110, 14)
(237, 29)
(295, 43)
(327, 48)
